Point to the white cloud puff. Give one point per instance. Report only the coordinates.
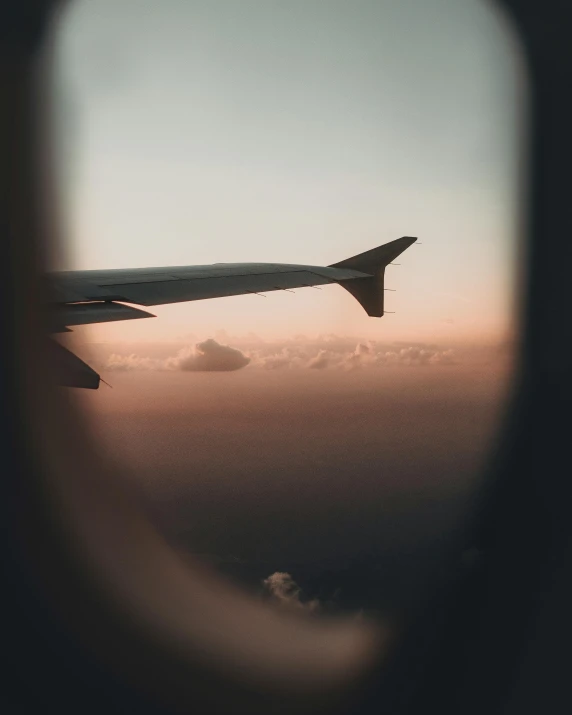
(284, 591)
(211, 356)
(320, 361)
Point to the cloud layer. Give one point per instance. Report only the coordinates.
(323, 353)
(342, 358)
(207, 356)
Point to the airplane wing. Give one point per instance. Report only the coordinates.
(98, 296)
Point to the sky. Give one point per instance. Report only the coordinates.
(302, 132)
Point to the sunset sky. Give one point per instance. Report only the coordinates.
(302, 132)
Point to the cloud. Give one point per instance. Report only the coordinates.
(334, 353)
(324, 352)
(445, 357)
(125, 363)
(417, 356)
(363, 354)
(211, 356)
(276, 362)
(207, 356)
(283, 358)
(320, 361)
(283, 590)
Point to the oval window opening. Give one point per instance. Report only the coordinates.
(315, 454)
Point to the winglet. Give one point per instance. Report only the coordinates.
(369, 291)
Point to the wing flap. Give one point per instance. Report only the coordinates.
(96, 312)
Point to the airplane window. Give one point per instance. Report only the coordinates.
(277, 428)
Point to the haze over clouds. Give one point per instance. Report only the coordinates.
(340, 477)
